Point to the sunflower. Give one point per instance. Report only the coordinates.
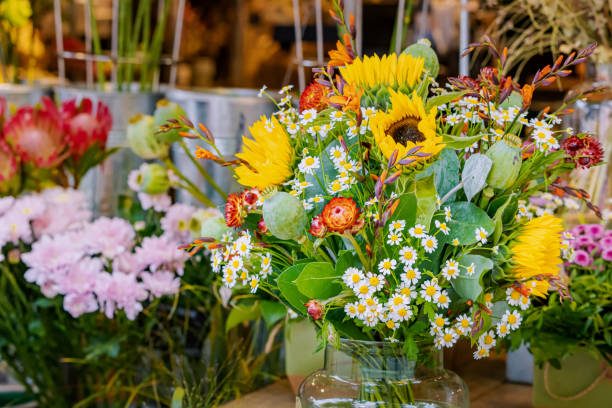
(537, 249)
(267, 156)
(405, 128)
(389, 71)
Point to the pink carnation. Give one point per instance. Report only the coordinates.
(582, 258)
(120, 291)
(606, 254)
(159, 202)
(5, 204)
(81, 277)
(78, 304)
(13, 228)
(109, 236)
(160, 253)
(176, 222)
(161, 283)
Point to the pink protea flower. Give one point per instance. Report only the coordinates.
(9, 175)
(83, 127)
(36, 134)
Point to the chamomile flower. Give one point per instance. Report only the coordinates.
(513, 297)
(397, 226)
(463, 323)
(229, 280)
(402, 312)
(316, 199)
(293, 128)
(481, 352)
(513, 319)
(336, 116)
(338, 185)
(442, 227)
(363, 289)
(371, 202)
(438, 323)
(254, 284)
(235, 264)
(448, 214)
(455, 242)
(453, 119)
(418, 231)
(397, 299)
(390, 323)
(408, 291)
(429, 289)
(262, 91)
(243, 246)
(307, 205)
(497, 134)
(429, 244)
(351, 310)
(324, 130)
(451, 269)
(470, 269)
(337, 155)
(368, 112)
(538, 123)
(266, 263)
(525, 302)
(442, 300)
(488, 299)
(408, 255)
(502, 329)
(386, 266)
(375, 281)
(394, 238)
(487, 340)
(308, 116)
(449, 337)
(410, 275)
(216, 260)
(309, 164)
(352, 276)
(481, 235)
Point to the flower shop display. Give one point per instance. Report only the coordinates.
(386, 209)
(571, 331)
(46, 145)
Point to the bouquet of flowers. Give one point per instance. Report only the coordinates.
(43, 145)
(581, 320)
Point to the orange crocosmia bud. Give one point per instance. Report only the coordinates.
(394, 206)
(201, 153)
(527, 93)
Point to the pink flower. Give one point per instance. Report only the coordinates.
(84, 128)
(607, 254)
(176, 222)
(582, 258)
(29, 207)
(605, 243)
(161, 283)
(159, 202)
(5, 204)
(49, 255)
(161, 253)
(128, 263)
(120, 291)
(36, 134)
(66, 210)
(13, 228)
(578, 230)
(583, 241)
(595, 230)
(79, 304)
(81, 277)
(109, 236)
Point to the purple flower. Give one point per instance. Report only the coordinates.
(109, 236)
(582, 258)
(595, 230)
(607, 254)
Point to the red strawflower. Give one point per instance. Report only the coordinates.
(572, 144)
(36, 135)
(315, 309)
(317, 227)
(340, 214)
(314, 97)
(585, 151)
(234, 210)
(84, 128)
(262, 227)
(251, 197)
(358, 225)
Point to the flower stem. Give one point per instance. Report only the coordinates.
(362, 258)
(203, 172)
(190, 187)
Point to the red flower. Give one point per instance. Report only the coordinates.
(358, 225)
(262, 227)
(572, 144)
(251, 197)
(314, 97)
(315, 309)
(317, 227)
(8, 169)
(84, 128)
(584, 151)
(340, 214)
(234, 210)
(36, 134)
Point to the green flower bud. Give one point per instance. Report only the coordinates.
(507, 160)
(142, 139)
(198, 219)
(422, 48)
(214, 227)
(284, 216)
(153, 179)
(168, 110)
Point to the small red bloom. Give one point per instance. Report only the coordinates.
(584, 151)
(315, 309)
(358, 225)
(234, 210)
(251, 197)
(572, 144)
(262, 227)
(317, 227)
(340, 214)
(314, 97)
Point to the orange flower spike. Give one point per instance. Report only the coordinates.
(201, 153)
(340, 56)
(559, 60)
(374, 177)
(394, 207)
(383, 176)
(527, 93)
(545, 71)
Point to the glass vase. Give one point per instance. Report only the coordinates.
(381, 374)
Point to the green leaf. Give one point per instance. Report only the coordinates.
(318, 280)
(475, 172)
(426, 199)
(177, 398)
(460, 142)
(347, 259)
(289, 290)
(498, 219)
(272, 312)
(347, 327)
(443, 99)
(406, 209)
(510, 210)
(469, 287)
(466, 217)
(240, 314)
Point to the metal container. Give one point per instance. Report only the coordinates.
(20, 95)
(227, 113)
(519, 365)
(104, 184)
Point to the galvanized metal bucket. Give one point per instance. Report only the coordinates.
(519, 365)
(227, 113)
(20, 95)
(104, 184)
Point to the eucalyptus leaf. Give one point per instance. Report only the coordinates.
(460, 142)
(319, 280)
(474, 176)
(466, 218)
(443, 99)
(289, 290)
(406, 209)
(240, 314)
(272, 312)
(469, 286)
(426, 199)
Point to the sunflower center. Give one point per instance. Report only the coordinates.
(406, 130)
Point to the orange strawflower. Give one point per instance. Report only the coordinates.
(235, 212)
(340, 214)
(314, 97)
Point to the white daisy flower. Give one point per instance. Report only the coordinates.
(307, 205)
(215, 262)
(371, 201)
(316, 199)
(292, 128)
(376, 281)
(285, 101)
(363, 289)
(447, 213)
(442, 300)
(408, 255)
(449, 337)
(254, 284)
(455, 242)
(481, 235)
(229, 280)
(308, 116)
(502, 329)
(429, 289)
(429, 243)
(336, 116)
(418, 231)
(352, 277)
(285, 89)
(351, 310)
(454, 119)
(513, 319)
(470, 269)
(262, 91)
(481, 352)
(410, 275)
(266, 263)
(309, 164)
(463, 323)
(439, 321)
(513, 297)
(487, 340)
(393, 238)
(442, 227)
(488, 299)
(397, 226)
(386, 266)
(407, 290)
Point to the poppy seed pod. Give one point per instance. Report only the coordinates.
(142, 139)
(168, 110)
(506, 157)
(285, 216)
(153, 179)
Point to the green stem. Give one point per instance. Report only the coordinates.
(190, 187)
(362, 258)
(96, 45)
(203, 172)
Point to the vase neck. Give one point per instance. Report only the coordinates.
(380, 360)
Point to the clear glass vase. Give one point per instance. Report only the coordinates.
(372, 374)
